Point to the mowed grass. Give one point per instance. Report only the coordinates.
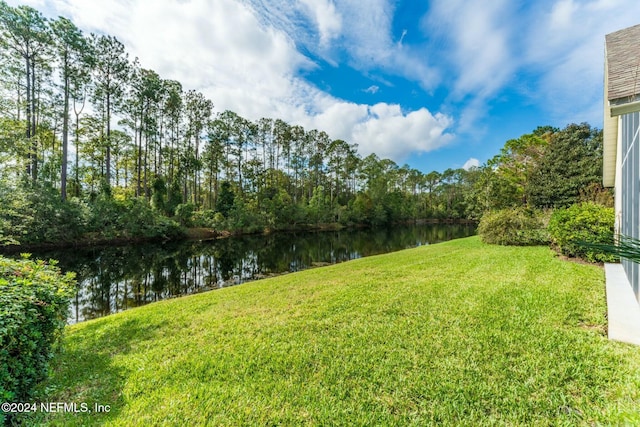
(458, 333)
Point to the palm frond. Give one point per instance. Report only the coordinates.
(625, 247)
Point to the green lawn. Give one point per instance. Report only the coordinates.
(457, 333)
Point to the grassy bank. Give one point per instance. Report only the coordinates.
(458, 333)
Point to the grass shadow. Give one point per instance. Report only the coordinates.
(85, 376)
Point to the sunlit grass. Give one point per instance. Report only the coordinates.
(458, 333)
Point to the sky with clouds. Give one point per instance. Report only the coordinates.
(435, 84)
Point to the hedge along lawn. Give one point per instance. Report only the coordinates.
(458, 333)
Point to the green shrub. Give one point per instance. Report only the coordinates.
(244, 218)
(184, 214)
(586, 222)
(36, 214)
(106, 216)
(208, 218)
(515, 226)
(34, 301)
(142, 221)
(131, 218)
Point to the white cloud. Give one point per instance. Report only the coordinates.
(550, 52)
(371, 44)
(382, 128)
(404, 34)
(565, 45)
(37, 4)
(243, 63)
(562, 13)
(360, 35)
(372, 89)
(389, 132)
(478, 35)
(328, 20)
(474, 44)
(246, 56)
(471, 163)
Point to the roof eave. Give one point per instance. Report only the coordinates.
(618, 107)
(609, 135)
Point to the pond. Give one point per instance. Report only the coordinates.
(115, 278)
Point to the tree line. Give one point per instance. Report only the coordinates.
(79, 116)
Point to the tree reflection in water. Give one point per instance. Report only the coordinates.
(112, 279)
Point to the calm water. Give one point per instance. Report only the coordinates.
(112, 279)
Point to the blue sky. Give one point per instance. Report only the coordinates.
(435, 84)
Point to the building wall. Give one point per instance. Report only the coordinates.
(630, 219)
(617, 190)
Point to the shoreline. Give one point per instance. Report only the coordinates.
(204, 234)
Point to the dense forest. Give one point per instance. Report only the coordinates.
(94, 146)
